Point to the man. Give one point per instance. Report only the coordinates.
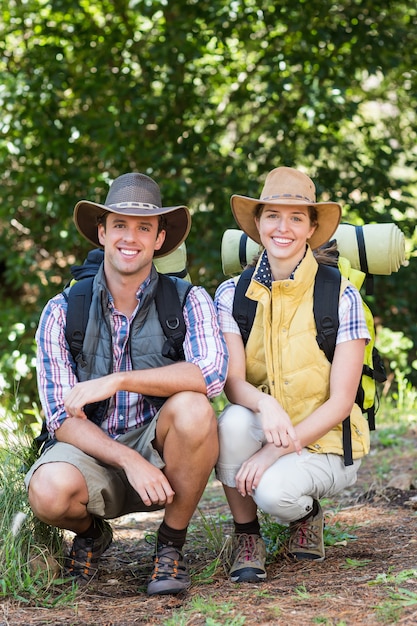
(155, 443)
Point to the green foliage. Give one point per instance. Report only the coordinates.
(206, 97)
(212, 529)
(390, 577)
(275, 536)
(356, 563)
(335, 534)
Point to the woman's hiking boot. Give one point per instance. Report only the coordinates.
(249, 559)
(306, 540)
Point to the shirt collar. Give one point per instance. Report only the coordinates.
(263, 272)
(139, 292)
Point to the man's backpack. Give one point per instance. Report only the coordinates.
(325, 308)
(79, 297)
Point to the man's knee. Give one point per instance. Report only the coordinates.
(52, 488)
(188, 427)
(191, 415)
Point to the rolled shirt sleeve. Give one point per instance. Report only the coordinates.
(54, 365)
(204, 344)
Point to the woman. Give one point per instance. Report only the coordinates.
(281, 443)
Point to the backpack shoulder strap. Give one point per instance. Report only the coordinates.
(78, 307)
(171, 318)
(167, 303)
(326, 307)
(79, 300)
(244, 308)
(90, 266)
(326, 314)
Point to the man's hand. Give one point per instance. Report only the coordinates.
(88, 392)
(149, 482)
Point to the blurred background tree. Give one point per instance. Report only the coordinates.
(206, 97)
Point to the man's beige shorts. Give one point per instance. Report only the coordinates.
(110, 493)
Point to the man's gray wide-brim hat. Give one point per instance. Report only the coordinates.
(134, 194)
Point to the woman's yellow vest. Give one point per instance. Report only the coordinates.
(284, 359)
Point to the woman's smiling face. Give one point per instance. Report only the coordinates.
(284, 231)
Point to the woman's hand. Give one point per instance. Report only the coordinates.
(251, 471)
(276, 424)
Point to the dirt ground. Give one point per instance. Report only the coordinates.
(369, 575)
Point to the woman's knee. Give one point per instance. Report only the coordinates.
(270, 498)
(239, 438)
(238, 430)
(283, 495)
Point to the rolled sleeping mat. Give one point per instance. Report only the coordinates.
(372, 248)
(237, 250)
(174, 263)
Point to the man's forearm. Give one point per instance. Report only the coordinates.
(91, 439)
(163, 381)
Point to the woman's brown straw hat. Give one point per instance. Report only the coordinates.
(134, 194)
(287, 186)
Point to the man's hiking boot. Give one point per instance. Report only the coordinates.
(306, 540)
(82, 561)
(170, 574)
(249, 559)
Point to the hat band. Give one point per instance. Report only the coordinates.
(289, 196)
(134, 205)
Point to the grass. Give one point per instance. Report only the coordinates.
(398, 597)
(214, 610)
(399, 578)
(356, 563)
(327, 622)
(30, 551)
(391, 610)
(275, 536)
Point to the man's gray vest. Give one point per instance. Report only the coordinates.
(146, 338)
